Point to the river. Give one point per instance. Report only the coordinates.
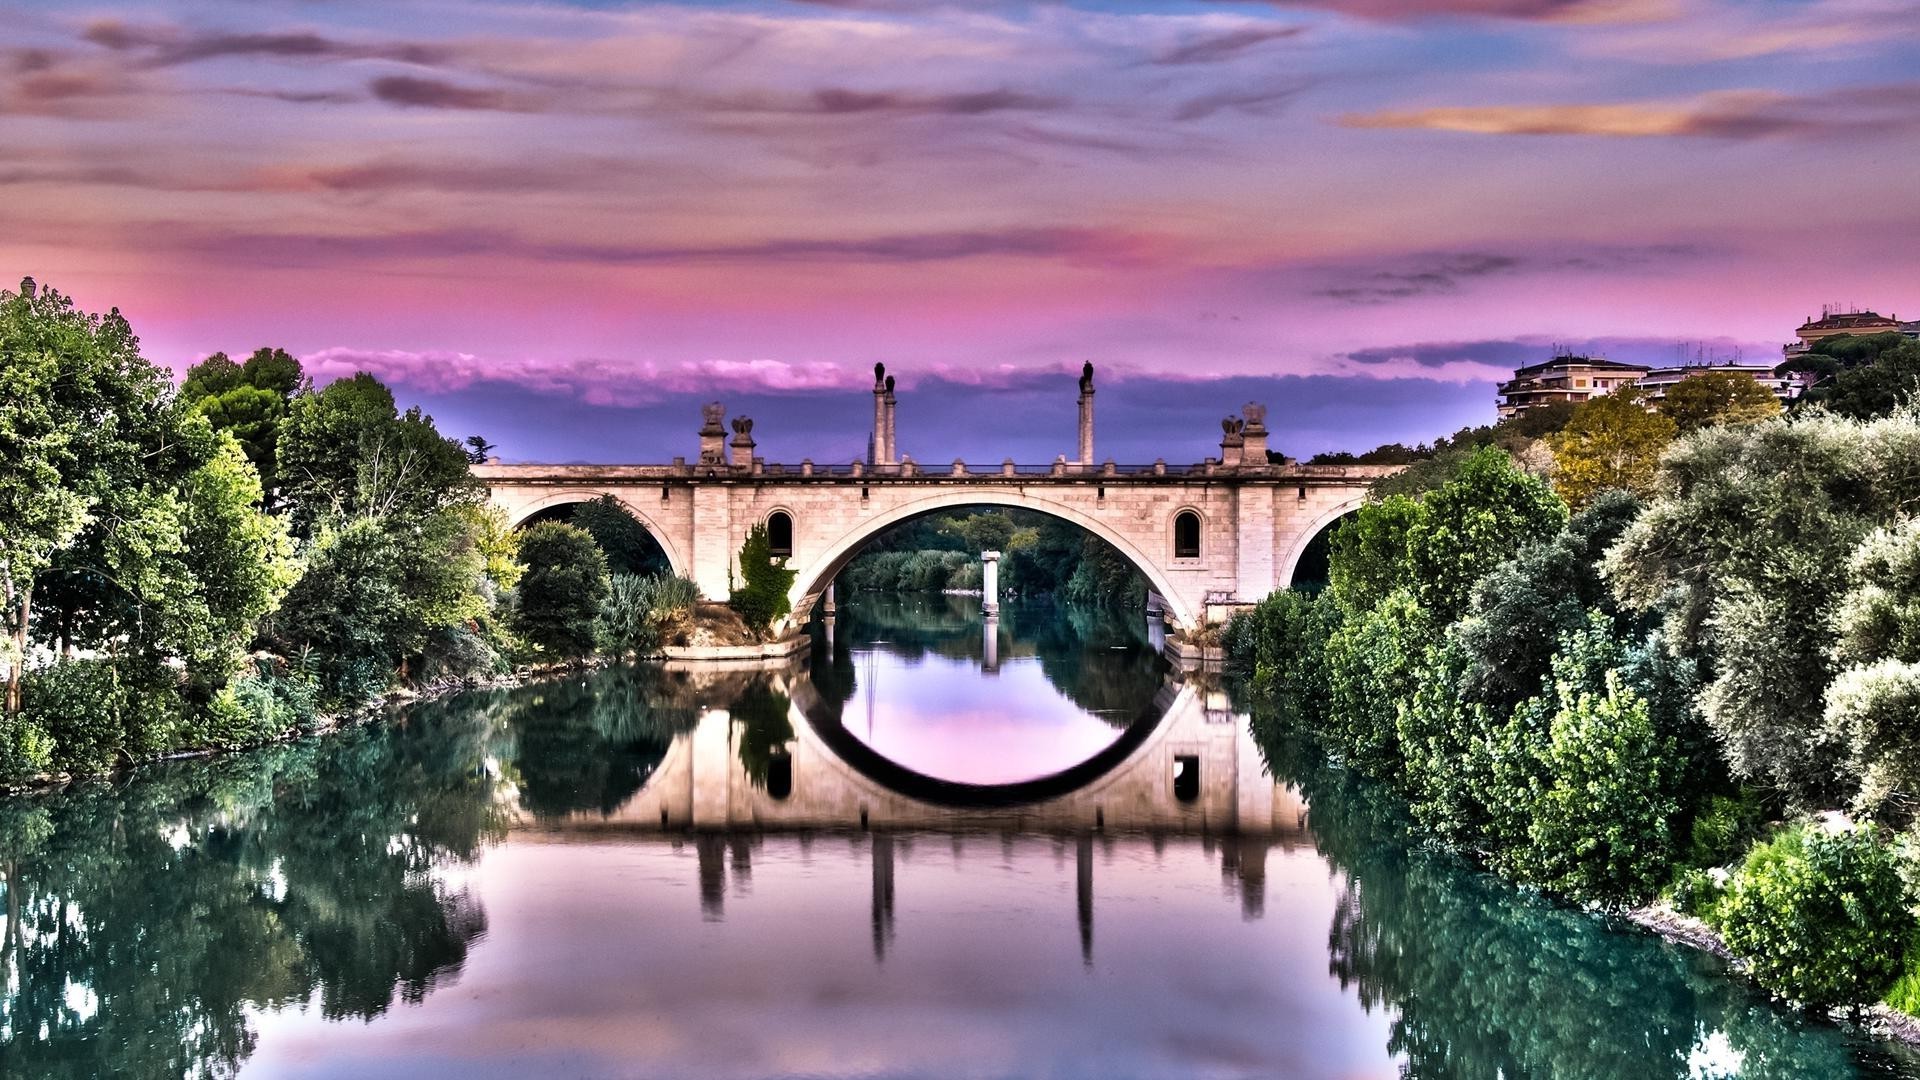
(934, 848)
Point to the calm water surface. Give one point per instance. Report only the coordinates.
(484, 888)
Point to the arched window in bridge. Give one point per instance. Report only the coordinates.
(1186, 535)
(780, 533)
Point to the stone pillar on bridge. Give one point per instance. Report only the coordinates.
(1253, 509)
(713, 545)
(743, 443)
(893, 446)
(1086, 414)
(1253, 435)
(878, 445)
(713, 434)
(1232, 441)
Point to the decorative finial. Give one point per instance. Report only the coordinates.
(28, 288)
(879, 375)
(889, 384)
(1086, 376)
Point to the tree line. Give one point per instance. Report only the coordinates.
(242, 556)
(1644, 654)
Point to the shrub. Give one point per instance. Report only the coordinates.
(1820, 918)
(1443, 738)
(1371, 665)
(1724, 826)
(90, 713)
(762, 596)
(560, 594)
(639, 611)
(1601, 826)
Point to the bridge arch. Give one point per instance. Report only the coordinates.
(811, 580)
(1327, 519)
(524, 513)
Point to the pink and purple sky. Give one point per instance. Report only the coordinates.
(564, 225)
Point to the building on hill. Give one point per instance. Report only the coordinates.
(1655, 384)
(1564, 378)
(1832, 323)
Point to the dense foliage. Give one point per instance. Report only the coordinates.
(230, 562)
(761, 597)
(1607, 704)
(1821, 917)
(561, 592)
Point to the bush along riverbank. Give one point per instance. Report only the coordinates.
(1694, 688)
(249, 557)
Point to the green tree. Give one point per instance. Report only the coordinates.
(77, 406)
(249, 401)
(1876, 695)
(1372, 664)
(761, 596)
(629, 547)
(1879, 388)
(346, 451)
(561, 591)
(1486, 510)
(1821, 918)
(1521, 608)
(1718, 397)
(373, 592)
(1741, 552)
(1612, 441)
(1369, 553)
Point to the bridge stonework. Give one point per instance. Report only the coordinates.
(1255, 519)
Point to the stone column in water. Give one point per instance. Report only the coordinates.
(990, 583)
(1086, 414)
(990, 645)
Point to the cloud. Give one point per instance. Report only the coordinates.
(1254, 101)
(1215, 48)
(409, 92)
(55, 83)
(1496, 356)
(1568, 11)
(167, 46)
(1428, 274)
(1070, 244)
(1737, 114)
(1442, 275)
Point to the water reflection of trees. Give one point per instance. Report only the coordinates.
(1485, 981)
(1098, 658)
(144, 920)
(586, 742)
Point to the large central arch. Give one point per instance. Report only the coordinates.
(811, 579)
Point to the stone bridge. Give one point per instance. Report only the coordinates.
(1207, 537)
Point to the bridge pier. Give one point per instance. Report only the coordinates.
(990, 583)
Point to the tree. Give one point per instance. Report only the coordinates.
(1372, 663)
(76, 402)
(249, 400)
(629, 547)
(346, 451)
(1741, 553)
(1612, 441)
(1874, 699)
(1718, 397)
(1820, 918)
(237, 559)
(372, 593)
(1369, 553)
(561, 591)
(1486, 510)
(1878, 388)
(762, 595)
(1521, 608)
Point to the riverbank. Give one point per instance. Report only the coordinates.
(1879, 1019)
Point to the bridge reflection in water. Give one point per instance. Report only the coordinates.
(1181, 765)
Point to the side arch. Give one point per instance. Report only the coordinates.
(1325, 520)
(811, 580)
(520, 513)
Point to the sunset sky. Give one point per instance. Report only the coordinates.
(566, 225)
